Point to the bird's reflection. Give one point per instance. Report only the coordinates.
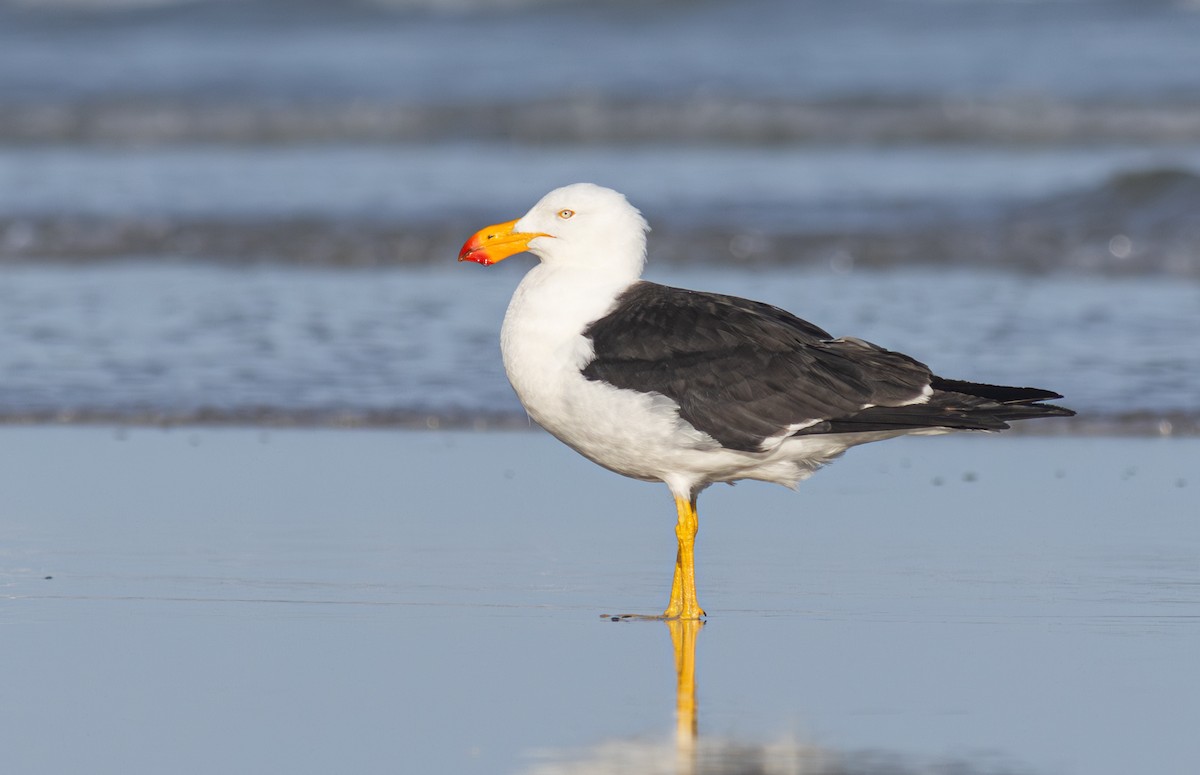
(689, 754)
(692, 754)
(683, 638)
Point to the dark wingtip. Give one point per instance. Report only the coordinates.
(1001, 394)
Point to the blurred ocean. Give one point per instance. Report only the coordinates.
(249, 210)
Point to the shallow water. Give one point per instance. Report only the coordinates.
(430, 602)
(147, 342)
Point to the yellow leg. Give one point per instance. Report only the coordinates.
(676, 604)
(683, 603)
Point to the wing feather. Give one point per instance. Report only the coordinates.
(740, 370)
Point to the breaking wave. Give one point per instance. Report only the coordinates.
(714, 120)
(1138, 222)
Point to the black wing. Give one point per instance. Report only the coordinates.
(743, 371)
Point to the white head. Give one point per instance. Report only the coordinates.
(581, 227)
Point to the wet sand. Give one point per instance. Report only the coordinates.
(216, 600)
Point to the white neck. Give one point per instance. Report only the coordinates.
(542, 332)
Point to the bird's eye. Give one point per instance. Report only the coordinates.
(565, 214)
